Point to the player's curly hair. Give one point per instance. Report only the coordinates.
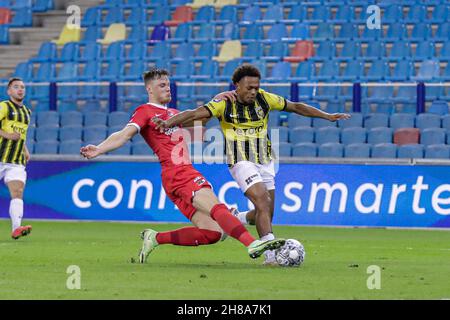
(245, 70)
(154, 73)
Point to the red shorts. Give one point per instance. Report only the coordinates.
(180, 184)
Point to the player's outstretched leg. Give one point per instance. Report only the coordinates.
(21, 232)
(258, 247)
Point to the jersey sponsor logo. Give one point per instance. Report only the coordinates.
(259, 111)
(169, 131)
(199, 181)
(250, 179)
(249, 131)
(18, 129)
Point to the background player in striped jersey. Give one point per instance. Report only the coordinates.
(244, 116)
(184, 185)
(15, 118)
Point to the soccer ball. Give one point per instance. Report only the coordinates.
(291, 254)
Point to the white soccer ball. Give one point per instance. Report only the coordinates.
(291, 254)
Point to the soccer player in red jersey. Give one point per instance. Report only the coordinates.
(184, 185)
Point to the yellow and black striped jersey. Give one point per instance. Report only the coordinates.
(245, 127)
(13, 118)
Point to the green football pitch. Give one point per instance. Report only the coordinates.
(341, 263)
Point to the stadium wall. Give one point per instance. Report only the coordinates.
(399, 193)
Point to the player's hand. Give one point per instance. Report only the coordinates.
(26, 154)
(226, 95)
(90, 151)
(338, 116)
(14, 136)
(160, 124)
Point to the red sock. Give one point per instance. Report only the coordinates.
(188, 236)
(230, 224)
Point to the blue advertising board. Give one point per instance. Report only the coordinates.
(306, 194)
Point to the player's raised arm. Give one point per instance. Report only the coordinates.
(185, 118)
(306, 110)
(114, 141)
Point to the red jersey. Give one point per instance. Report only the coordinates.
(169, 145)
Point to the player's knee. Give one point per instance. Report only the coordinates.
(211, 237)
(263, 201)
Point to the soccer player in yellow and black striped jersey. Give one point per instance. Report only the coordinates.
(14, 120)
(244, 116)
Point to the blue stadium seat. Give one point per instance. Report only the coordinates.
(47, 118)
(405, 94)
(428, 120)
(91, 51)
(118, 118)
(281, 133)
(327, 92)
(430, 136)
(69, 52)
(70, 132)
(375, 50)
(183, 70)
(306, 92)
(384, 150)
(228, 70)
(415, 151)
(111, 71)
(300, 31)
(30, 145)
(439, 107)
(113, 15)
(228, 14)
(276, 32)
(137, 16)
(442, 32)
(134, 72)
(401, 120)
(206, 51)
(294, 120)
(353, 135)
(305, 149)
(115, 51)
(344, 13)
(282, 149)
(373, 120)
(328, 71)
(348, 31)
(137, 51)
(182, 34)
(420, 32)
(301, 134)
(70, 147)
(94, 134)
(123, 150)
(252, 32)
(379, 93)
(399, 50)
(253, 50)
(392, 13)
(280, 71)
(184, 50)
(46, 147)
(141, 148)
(371, 34)
(95, 118)
(378, 70)
(424, 50)
(90, 72)
(298, 13)
(22, 18)
(402, 71)
(68, 72)
(24, 70)
(91, 17)
(47, 52)
(31, 133)
(273, 14)
(324, 31)
(396, 31)
(304, 72)
(356, 120)
(320, 123)
(327, 134)
(251, 14)
(43, 5)
(446, 123)
(206, 32)
(160, 50)
(46, 133)
(159, 16)
(429, 70)
(325, 51)
(437, 151)
(277, 50)
(331, 150)
(71, 118)
(320, 14)
(352, 72)
(416, 13)
(440, 14)
(357, 150)
(230, 31)
(350, 50)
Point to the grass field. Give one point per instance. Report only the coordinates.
(414, 264)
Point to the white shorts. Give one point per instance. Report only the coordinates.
(12, 172)
(247, 173)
